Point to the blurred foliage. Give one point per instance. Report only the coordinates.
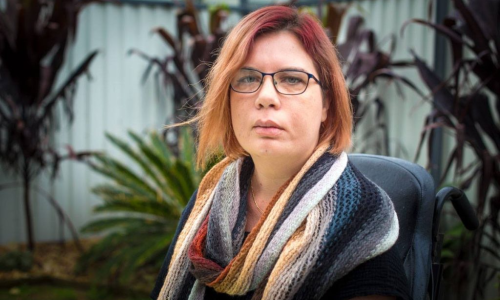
(51, 292)
(142, 206)
(34, 36)
(366, 64)
(190, 50)
(464, 104)
(16, 260)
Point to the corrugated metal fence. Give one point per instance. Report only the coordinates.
(115, 101)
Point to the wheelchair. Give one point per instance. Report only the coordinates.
(418, 207)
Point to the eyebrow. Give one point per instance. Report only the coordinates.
(279, 70)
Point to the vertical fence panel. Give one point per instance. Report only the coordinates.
(12, 223)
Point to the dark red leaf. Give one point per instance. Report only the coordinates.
(48, 78)
(457, 51)
(189, 23)
(460, 142)
(335, 15)
(8, 24)
(67, 86)
(352, 42)
(354, 27)
(392, 44)
(450, 34)
(451, 158)
(443, 99)
(492, 239)
(363, 64)
(388, 73)
(497, 100)
(402, 63)
(423, 133)
(476, 33)
(464, 115)
(484, 182)
(465, 184)
(486, 13)
(217, 17)
(57, 29)
(198, 51)
(491, 251)
(167, 37)
(481, 113)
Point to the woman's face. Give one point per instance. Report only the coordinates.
(267, 123)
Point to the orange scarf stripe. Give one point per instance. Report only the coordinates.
(239, 260)
(240, 276)
(195, 252)
(207, 185)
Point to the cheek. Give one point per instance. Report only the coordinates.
(312, 116)
(236, 118)
(233, 111)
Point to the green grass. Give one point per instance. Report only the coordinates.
(48, 292)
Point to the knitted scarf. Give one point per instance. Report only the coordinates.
(321, 224)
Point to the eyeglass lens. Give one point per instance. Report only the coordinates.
(286, 82)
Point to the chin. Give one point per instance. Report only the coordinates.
(272, 150)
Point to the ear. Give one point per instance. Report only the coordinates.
(324, 111)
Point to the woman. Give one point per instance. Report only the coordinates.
(284, 215)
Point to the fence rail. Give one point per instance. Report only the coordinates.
(244, 6)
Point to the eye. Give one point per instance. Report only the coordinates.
(292, 80)
(248, 79)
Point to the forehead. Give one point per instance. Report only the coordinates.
(279, 50)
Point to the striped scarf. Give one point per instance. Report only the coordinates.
(320, 225)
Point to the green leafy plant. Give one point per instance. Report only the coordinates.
(16, 260)
(141, 206)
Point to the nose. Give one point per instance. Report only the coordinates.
(267, 95)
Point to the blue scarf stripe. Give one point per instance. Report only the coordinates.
(366, 207)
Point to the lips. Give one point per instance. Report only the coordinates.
(267, 128)
(267, 124)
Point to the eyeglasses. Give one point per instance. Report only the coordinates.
(285, 82)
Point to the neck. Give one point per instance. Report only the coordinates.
(269, 175)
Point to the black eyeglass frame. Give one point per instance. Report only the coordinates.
(309, 76)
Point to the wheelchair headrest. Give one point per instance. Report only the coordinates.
(411, 189)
